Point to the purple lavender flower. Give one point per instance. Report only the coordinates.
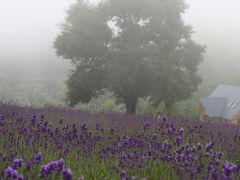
(210, 145)
(60, 165)
(228, 168)
(147, 125)
(43, 172)
(112, 130)
(14, 174)
(164, 119)
(154, 136)
(134, 178)
(84, 128)
(214, 174)
(29, 165)
(207, 154)
(9, 171)
(150, 150)
(38, 157)
(60, 120)
(17, 163)
(200, 168)
(199, 146)
(123, 174)
(178, 140)
(165, 143)
(181, 130)
(20, 177)
(180, 171)
(217, 163)
(51, 167)
(193, 149)
(67, 174)
(220, 155)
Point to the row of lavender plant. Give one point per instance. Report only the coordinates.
(54, 143)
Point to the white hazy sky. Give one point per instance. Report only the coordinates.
(216, 18)
(28, 27)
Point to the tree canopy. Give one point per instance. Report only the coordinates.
(134, 48)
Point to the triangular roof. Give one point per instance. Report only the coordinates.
(224, 102)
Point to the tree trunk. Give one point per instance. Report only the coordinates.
(131, 105)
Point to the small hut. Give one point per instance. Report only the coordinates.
(223, 105)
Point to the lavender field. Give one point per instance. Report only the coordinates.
(54, 143)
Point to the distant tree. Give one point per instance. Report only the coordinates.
(133, 48)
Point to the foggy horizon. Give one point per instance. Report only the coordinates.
(30, 27)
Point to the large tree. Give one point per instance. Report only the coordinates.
(134, 48)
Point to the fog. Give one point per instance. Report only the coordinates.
(214, 21)
(29, 27)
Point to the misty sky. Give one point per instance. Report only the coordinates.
(28, 27)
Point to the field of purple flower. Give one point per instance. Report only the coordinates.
(53, 143)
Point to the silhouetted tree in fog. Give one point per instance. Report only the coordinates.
(134, 48)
